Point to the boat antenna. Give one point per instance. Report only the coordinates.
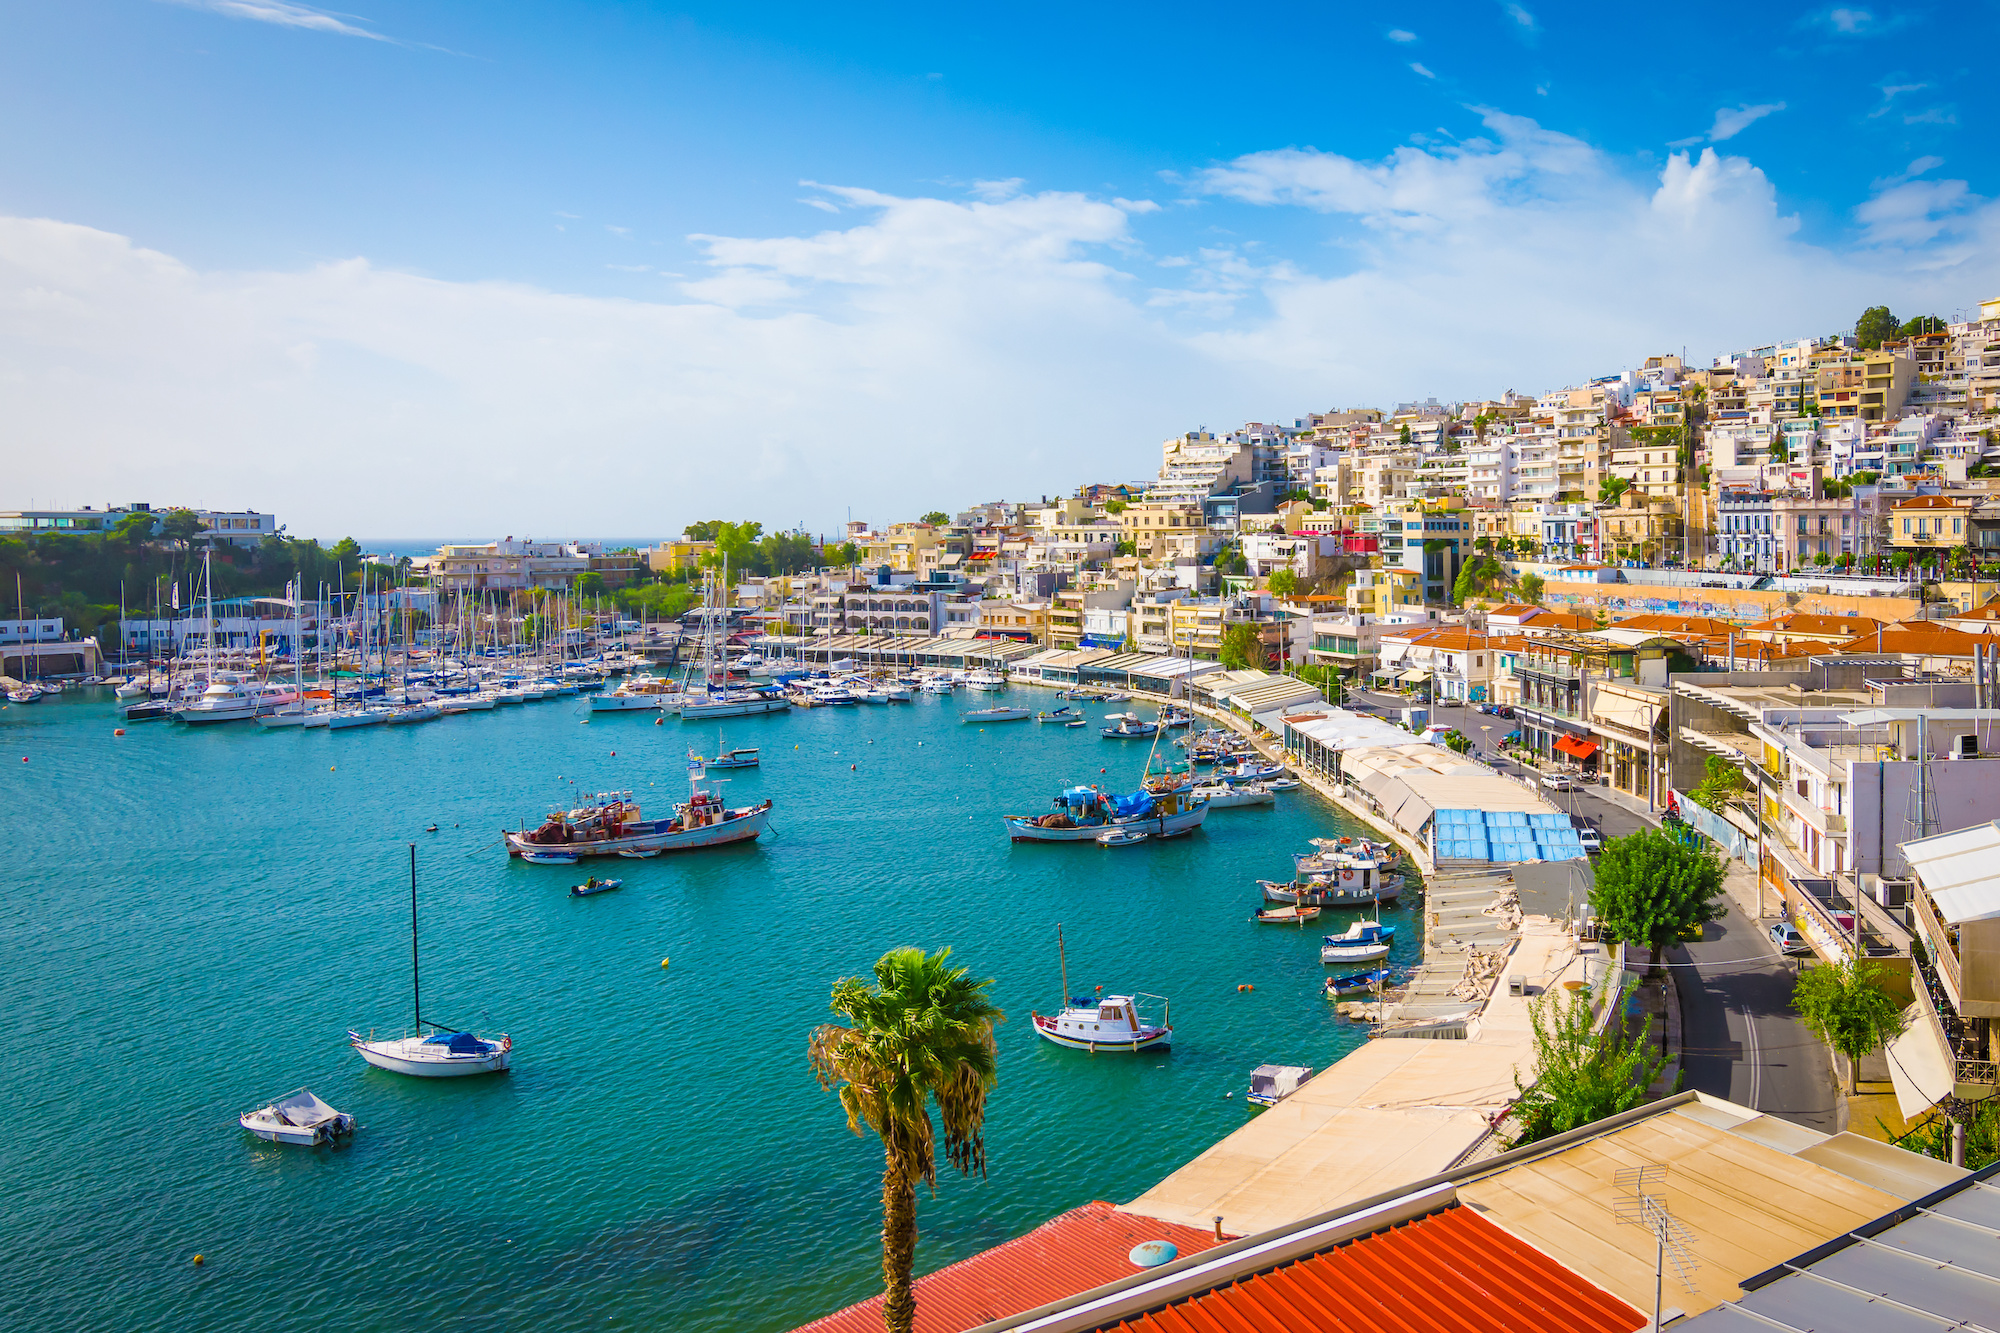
(416, 990)
(1062, 960)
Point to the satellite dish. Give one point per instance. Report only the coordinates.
(1153, 1253)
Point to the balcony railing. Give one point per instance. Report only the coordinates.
(1938, 942)
(1967, 1065)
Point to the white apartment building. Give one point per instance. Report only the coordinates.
(1197, 465)
(509, 565)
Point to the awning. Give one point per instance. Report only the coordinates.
(1919, 1065)
(1570, 745)
(1414, 674)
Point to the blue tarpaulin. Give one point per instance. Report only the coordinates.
(1129, 807)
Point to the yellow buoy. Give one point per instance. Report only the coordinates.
(665, 961)
(197, 1261)
(333, 768)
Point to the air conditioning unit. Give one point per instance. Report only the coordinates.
(1517, 985)
(1965, 746)
(1888, 892)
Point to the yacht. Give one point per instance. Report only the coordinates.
(227, 699)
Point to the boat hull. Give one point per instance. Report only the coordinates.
(1153, 1039)
(394, 1057)
(1022, 829)
(739, 829)
(625, 703)
(1324, 897)
(693, 710)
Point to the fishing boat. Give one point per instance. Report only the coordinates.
(1357, 983)
(1222, 795)
(594, 885)
(436, 1050)
(1120, 837)
(613, 824)
(1106, 1023)
(996, 715)
(1127, 726)
(1384, 854)
(1081, 813)
(1318, 892)
(1363, 942)
(1271, 1084)
(745, 757)
(1287, 916)
(298, 1118)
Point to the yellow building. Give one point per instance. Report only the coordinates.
(670, 556)
(1381, 592)
(1870, 385)
(1015, 620)
(1634, 528)
(902, 547)
(1929, 522)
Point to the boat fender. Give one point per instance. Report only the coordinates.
(118, 731)
(1227, 1095)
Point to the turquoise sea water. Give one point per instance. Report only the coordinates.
(198, 915)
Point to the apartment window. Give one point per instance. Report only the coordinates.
(1906, 527)
(1957, 526)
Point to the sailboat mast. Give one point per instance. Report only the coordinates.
(1062, 960)
(416, 990)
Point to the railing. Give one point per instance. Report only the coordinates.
(1957, 1041)
(1937, 939)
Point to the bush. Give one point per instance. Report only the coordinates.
(1581, 1076)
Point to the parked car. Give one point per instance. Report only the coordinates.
(1592, 843)
(1506, 711)
(1511, 738)
(1488, 709)
(1558, 782)
(1786, 936)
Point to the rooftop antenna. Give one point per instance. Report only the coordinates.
(1640, 1205)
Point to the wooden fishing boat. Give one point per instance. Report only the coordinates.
(1287, 916)
(1357, 983)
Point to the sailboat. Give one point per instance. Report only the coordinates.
(743, 757)
(715, 696)
(1103, 1023)
(443, 1052)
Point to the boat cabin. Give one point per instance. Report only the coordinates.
(1271, 1084)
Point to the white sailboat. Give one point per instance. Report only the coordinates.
(715, 696)
(441, 1052)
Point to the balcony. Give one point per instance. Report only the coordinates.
(1941, 943)
(1973, 1077)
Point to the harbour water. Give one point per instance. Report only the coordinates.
(198, 916)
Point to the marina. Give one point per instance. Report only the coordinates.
(193, 906)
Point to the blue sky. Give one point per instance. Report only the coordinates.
(610, 267)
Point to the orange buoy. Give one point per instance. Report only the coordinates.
(118, 731)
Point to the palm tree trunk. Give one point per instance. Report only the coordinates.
(899, 1244)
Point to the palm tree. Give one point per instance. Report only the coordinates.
(922, 1033)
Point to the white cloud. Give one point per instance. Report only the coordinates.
(1421, 70)
(1520, 16)
(1400, 35)
(921, 352)
(1853, 21)
(1731, 121)
(285, 14)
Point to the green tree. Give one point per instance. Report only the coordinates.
(702, 532)
(937, 518)
(1581, 1075)
(784, 553)
(1875, 324)
(1505, 546)
(1115, 506)
(181, 527)
(1611, 488)
(1844, 1005)
(1723, 783)
(1531, 588)
(846, 555)
(1483, 545)
(1403, 434)
(1283, 582)
(1125, 548)
(1653, 889)
(1923, 324)
(589, 584)
(1899, 561)
(922, 1033)
(1241, 647)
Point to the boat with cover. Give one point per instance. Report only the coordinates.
(1081, 813)
(1103, 1023)
(612, 824)
(1363, 942)
(641, 694)
(436, 1050)
(1271, 1084)
(1062, 714)
(594, 885)
(299, 1118)
(996, 715)
(1246, 770)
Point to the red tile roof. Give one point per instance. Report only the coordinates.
(1083, 1248)
(1925, 637)
(1452, 1270)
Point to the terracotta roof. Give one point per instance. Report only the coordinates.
(1452, 1270)
(1083, 1248)
(1517, 609)
(1802, 622)
(1564, 620)
(1928, 638)
(1666, 624)
(1928, 502)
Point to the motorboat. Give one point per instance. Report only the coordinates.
(595, 885)
(550, 858)
(1128, 726)
(612, 824)
(745, 757)
(226, 699)
(641, 694)
(1120, 837)
(632, 853)
(147, 710)
(435, 1050)
(937, 685)
(1287, 916)
(996, 715)
(1271, 1084)
(1246, 770)
(299, 1118)
(1357, 983)
(1081, 813)
(1282, 784)
(1221, 795)
(1104, 1023)
(829, 696)
(985, 680)
(1363, 942)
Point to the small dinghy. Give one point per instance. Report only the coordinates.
(641, 853)
(1282, 784)
(1079, 722)
(1364, 942)
(595, 885)
(1357, 983)
(1120, 837)
(1271, 1084)
(1288, 916)
(297, 1117)
(549, 858)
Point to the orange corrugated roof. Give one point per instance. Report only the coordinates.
(1665, 624)
(1452, 1270)
(1914, 637)
(1806, 622)
(1083, 1248)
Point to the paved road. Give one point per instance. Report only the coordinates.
(1741, 1040)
